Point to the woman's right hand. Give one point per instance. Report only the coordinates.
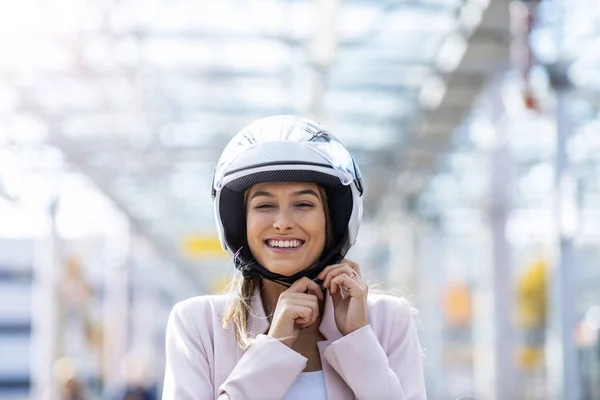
(297, 308)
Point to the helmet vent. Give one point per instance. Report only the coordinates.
(243, 183)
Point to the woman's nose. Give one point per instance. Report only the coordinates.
(283, 220)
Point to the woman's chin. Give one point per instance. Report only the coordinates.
(284, 269)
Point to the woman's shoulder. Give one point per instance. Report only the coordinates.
(196, 322)
(207, 305)
(389, 307)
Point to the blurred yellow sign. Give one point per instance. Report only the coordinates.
(196, 246)
(531, 292)
(457, 304)
(530, 358)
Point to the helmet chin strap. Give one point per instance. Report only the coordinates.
(253, 269)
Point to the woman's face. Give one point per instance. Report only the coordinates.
(285, 225)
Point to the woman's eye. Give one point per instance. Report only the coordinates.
(264, 206)
(305, 205)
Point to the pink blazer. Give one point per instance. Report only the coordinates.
(380, 361)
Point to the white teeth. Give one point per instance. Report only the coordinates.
(284, 243)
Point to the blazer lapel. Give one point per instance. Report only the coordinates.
(328, 327)
(335, 385)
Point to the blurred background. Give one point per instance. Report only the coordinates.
(476, 124)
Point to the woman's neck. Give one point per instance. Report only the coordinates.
(270, 292)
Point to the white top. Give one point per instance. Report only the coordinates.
(308, 385)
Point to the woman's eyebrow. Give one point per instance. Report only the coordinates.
(306, 191)
(259, 193)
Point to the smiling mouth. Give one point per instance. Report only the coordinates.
(284, 244)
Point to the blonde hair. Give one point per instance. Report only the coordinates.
(242, 290)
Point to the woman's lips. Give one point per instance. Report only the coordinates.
(281, 248)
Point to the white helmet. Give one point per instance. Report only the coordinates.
(286, 148)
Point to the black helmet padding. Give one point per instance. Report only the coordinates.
(233, 212)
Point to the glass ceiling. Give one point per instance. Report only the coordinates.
(565, 31)
(143, 95)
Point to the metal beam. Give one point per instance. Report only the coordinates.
(77, 161)
(463, 85)
(210, 74)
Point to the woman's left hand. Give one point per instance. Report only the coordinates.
(349, 293)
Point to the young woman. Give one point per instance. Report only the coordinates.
(299, 323)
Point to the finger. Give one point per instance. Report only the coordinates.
(303, 285)
(354, 288)
(318, 293)
(344, 262)
(300, 296)
(309, 319)
(353, 265)
(303, 299)
(323, 275)
(333, 288)
(337, 287)
(338, 292)
(344, 269)
(327, 269)
(356, 267)
(301, 314)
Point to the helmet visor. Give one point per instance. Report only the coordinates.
(289, 129)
